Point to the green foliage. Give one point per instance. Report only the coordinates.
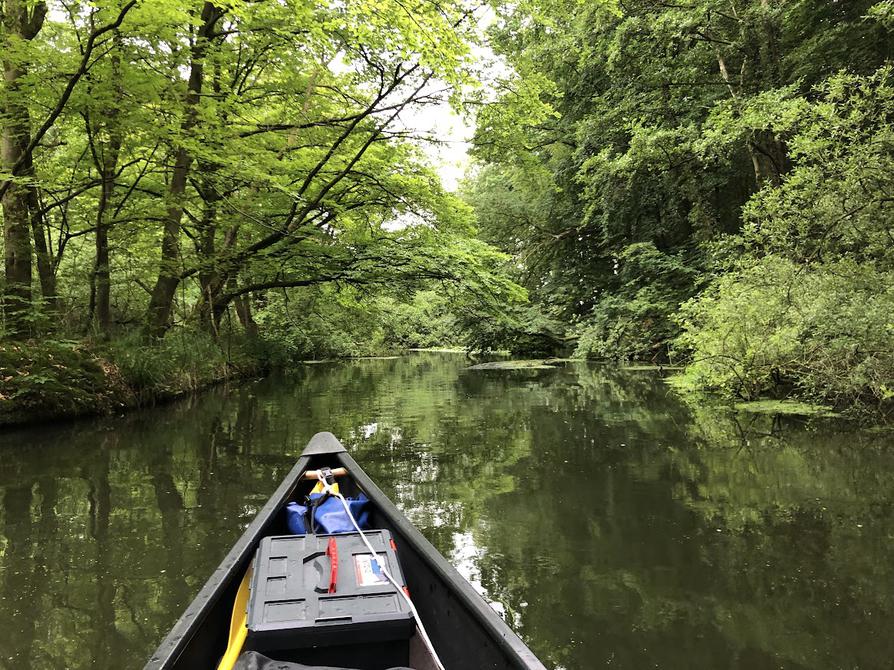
(635, 322)
(811, 311)
(234, 168)
(186, 360)
(206, 162)
(836, 202)
(320, 323)
(824, 331)
(56, 378)
(883, 12)
(423, 322)
(785, 408)
(672, 148)
(63, 378)
(521, 329)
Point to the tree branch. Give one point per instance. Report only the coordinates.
(83, 68)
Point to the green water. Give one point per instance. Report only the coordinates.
(609, 522)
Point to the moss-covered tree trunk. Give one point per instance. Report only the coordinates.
(162, 300)
(21, 22)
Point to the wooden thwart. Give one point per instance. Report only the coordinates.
(315, 474)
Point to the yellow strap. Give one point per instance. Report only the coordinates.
(238, 625)
(319, 488)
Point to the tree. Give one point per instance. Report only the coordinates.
(199, 156)
(635, 125)
(21, 23)
(161, 301)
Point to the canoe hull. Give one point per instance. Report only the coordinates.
(464, 629)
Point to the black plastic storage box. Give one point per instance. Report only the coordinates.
(321, 599)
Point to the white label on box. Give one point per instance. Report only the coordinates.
(368, 571)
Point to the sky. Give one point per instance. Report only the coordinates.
(455, 131)
(451, 154)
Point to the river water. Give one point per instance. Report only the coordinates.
(608, 521)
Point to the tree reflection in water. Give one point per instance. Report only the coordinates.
(609, 521)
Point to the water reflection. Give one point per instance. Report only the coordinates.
(610, 523)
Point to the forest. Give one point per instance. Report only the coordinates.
(706, 182)
(192, 190)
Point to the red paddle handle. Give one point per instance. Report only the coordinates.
(332, 553)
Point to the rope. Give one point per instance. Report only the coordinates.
(327, 488)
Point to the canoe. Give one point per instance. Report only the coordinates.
(465, 631)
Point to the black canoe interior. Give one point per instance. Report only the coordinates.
(465, 631)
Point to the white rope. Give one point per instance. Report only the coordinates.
(327, 488)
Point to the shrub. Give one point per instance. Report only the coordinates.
(825, 331)
(55, 378)
(184, 360)
(321, 322)
(424, 321)
(637, 320)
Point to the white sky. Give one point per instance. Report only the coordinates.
(454, 134)
(455, 131)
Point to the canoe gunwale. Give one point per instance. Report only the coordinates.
(235, 563)
(240, 555)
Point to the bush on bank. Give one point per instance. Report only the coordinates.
(57, 378)
(54, 379)
(807, 310)
(777, 328)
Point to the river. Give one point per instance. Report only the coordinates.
(610, 522)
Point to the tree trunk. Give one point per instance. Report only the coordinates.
(209, 279)
(243, 311)
(46, 272)
(106, 161)
(769, 155)
(41, 250)
(101, 270)
(213, 279)
(17, 245)
(162, 300)
(100, 311)
(17, 21)
(220, 305)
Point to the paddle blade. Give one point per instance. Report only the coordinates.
(238, 627)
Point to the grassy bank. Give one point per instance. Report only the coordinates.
(57, 379)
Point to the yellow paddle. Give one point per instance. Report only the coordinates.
(238, 627)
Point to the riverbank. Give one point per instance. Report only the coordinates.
(55, 379)
(62, 379)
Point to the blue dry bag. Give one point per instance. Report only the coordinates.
(329, 515)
